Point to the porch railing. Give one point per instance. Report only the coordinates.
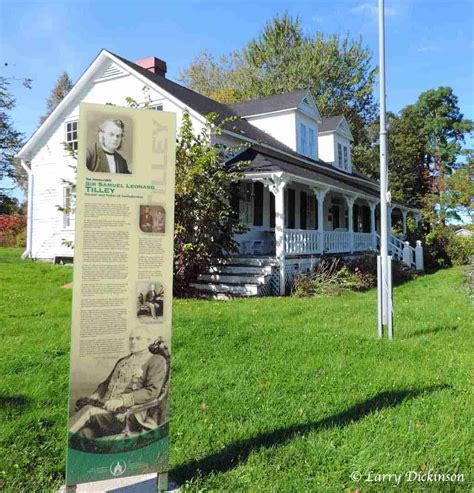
(301, 242)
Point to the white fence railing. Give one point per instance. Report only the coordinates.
(301, 242)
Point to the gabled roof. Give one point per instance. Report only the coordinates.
(330, 124)
(336, 123)
(204, 106)
(280, 102)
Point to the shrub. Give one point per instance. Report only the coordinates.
(435, 247)
(20, 239)
(460, 249)
(205, 219)
(10, 226)
(330, 278)
(333, 276)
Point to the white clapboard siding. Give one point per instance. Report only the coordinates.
(50, 164)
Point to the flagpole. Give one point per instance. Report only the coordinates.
(384, 284)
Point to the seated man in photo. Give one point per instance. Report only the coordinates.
(146, 221)
(154, 300)
(138, 378)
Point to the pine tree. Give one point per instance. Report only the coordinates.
(63, 86)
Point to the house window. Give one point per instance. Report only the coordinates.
(245, 203)
(157, 107)
(339, 155)
(71, 135)
(258, 204)
(312, 149)
(303, 139)
(303, 210)
(67, 207)
(346, 158)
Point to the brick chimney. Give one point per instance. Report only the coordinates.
(153, 64)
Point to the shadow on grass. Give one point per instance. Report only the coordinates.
(435, 330)
(236, 453)
(13, 402)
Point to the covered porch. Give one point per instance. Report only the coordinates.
(292, 217)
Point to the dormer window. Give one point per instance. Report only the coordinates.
(303, 149)
(346, 158)
(312, 147)
(339, 156)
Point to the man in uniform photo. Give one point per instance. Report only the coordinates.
(104, 156)
(138, 378)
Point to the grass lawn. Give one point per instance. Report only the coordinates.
(269, 394)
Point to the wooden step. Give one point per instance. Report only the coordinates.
(234, 290)
(233, 279)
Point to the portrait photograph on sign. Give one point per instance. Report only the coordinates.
(133, 397)
(150, 301)
(152, 219)
(109, 143)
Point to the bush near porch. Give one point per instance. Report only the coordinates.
(267, 394)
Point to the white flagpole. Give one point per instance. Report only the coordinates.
(385, 288)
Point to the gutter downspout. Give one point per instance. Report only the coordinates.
(29, 224)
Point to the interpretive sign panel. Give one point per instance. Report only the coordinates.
(122, 294)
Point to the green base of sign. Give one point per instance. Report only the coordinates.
(96, 460)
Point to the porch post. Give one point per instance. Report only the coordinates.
(278, 189)
(320, 194)
(350, 215)
(417, 219)
(373, 206)
(389, 220)
(404, 214)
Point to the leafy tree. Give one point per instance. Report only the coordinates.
(282, 58)
(409, 176)
(205, 220)
(444, 128)
(218, 80)
(11, 140)
(10, 205)
(60, 90)
(460, 188)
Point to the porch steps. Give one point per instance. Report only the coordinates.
(236, 277)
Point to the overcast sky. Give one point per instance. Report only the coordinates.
(429, 43)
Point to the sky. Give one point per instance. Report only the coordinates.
(428, 43)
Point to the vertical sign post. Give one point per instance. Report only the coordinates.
(384, 297)
(121, 315)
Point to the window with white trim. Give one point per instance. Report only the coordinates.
(339, 156)
(156, 107)
(71, 134)
(303, 139)
(346, 158)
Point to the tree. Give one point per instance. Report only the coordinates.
(205, 219)
(409, 176)
(444, 128)
(460, 188)
(10, 205)
(282, 58)
(60, 90)
(11, 140)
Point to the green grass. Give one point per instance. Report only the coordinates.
(267, 394)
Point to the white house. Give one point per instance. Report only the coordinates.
(300, 196)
